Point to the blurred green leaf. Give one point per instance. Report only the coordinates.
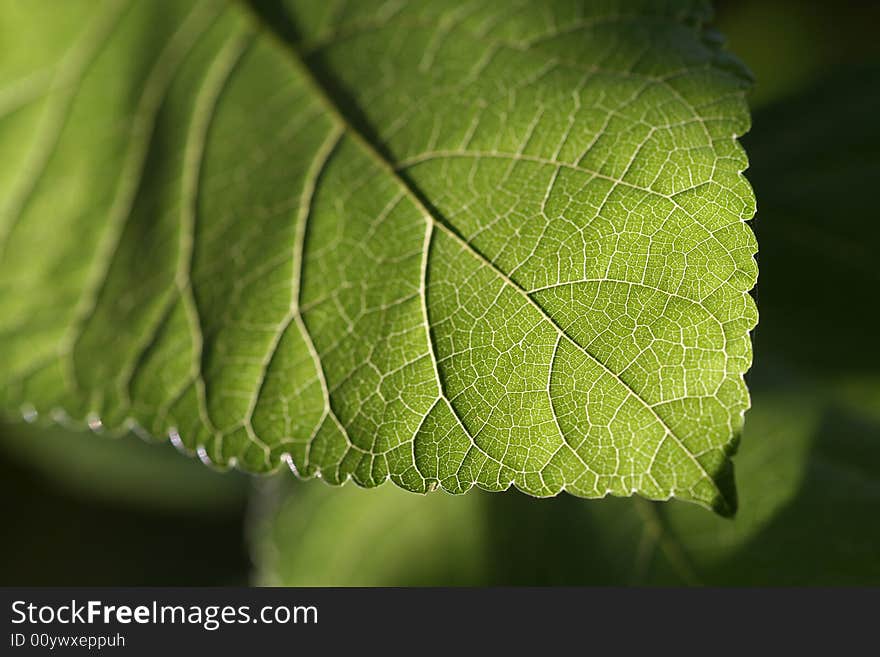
(314, 535)
(443, 243)
(808, 468)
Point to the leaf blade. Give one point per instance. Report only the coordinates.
(441, 319)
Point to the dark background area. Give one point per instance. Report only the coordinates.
(56, 534)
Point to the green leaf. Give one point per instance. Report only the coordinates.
(443, 243)
(312, 535)
(807, 469)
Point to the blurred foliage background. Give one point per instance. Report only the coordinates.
(89, 509)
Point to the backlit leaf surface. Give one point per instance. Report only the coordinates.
(443, 243)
